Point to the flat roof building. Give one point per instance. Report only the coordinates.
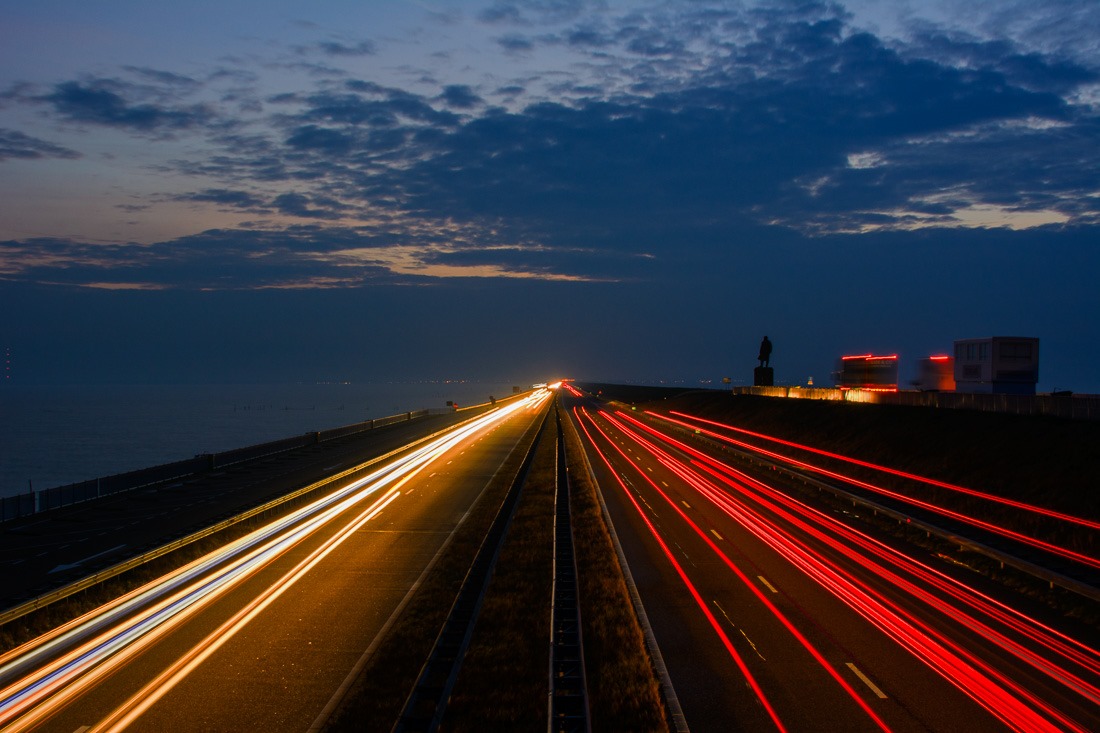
(997, 365)
(936, 374)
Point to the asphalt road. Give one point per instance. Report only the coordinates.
(45, 551)
(269, 651)
(768, 620)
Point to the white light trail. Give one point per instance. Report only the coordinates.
(47, 673)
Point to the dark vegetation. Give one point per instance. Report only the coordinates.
(623, 692)
(503, 683)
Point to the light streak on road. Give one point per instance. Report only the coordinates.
(47, 673)
(1071, 650)
(1006, 699)
(743, 577)
(1034, 542)
(1085, 522)
(737, 659)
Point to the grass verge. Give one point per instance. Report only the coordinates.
(504, 680)
(623, 691)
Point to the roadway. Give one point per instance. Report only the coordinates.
(263, 638)
(772, 617)
(42, 552)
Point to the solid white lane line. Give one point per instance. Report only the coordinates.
(869, 683)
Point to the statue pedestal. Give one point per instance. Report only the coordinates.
(763, 377)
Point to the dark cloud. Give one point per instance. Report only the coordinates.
(514, 43)
(308, 207)
(166, 78)
(334, 48)
(651, 42)
(786, 116)
(211, 260)
(588, 38)
(734, 147)
(15, 144)
(1030, 70)
(371, 103)
(311, 137)
(460, 96)
(225, 197)
(526, 12)
(99, 102)
(501, 12)
(511, 90)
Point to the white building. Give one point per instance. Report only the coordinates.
(998, 365)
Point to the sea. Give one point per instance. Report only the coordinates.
(56, 435)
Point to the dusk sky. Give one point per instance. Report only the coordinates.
(272, 191)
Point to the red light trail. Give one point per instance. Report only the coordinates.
(1092, 524)
(740, 575)
(1063, 552)
(1061, 659)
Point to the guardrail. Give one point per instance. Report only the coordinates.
(22, 505)
(113, 571)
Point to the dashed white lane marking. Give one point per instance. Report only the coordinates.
(731, 623)
(664, 484)
(715, 533)
(765, 582)
(869, 683)
(685, 503)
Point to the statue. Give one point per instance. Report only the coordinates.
(763, 376)
(765, 352)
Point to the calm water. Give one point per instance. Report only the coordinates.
(56, 435)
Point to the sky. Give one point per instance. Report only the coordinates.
(517, 190)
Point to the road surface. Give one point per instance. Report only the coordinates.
(261, 636)
(771, 615)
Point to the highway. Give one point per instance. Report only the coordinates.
(261, 634)
(773, 614)
(43, 552)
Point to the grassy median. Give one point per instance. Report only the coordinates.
(623, 691)
(504, 680)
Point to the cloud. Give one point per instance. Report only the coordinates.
(333, 48)
(99, 102)
(308, 207)
(460, 96)
(678, 130)
(528, 12)
(224, 197)
(515, 43)
(311, 137)
(164, 78)
(15, 144)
